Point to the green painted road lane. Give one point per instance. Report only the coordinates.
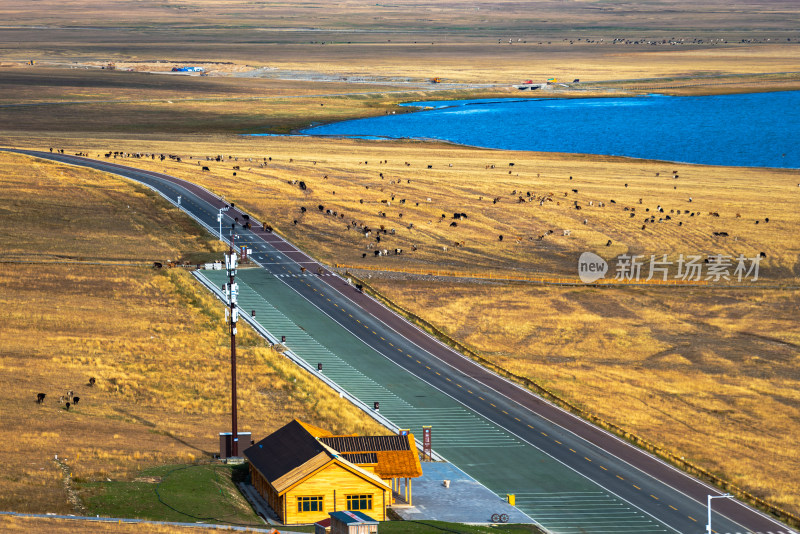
(501, 461)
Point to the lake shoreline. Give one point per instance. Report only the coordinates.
(705, 130)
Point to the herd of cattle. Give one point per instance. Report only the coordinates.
(68, 399)
(579, 202)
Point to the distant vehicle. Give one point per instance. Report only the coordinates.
(528, 82)
(436, 80)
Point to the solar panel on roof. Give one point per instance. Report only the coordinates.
(366, 443)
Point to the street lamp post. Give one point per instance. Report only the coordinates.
(219, 220)
(723, 496)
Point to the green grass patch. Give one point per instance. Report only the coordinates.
(185, 493)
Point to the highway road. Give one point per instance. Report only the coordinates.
(581, 478)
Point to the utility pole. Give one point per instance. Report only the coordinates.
(232, 291)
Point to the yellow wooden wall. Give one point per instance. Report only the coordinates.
(331, 479)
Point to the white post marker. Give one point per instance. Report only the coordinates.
(179, 200)
(723, 496)
(219, 220)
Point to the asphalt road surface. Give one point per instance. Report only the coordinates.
(550, 446)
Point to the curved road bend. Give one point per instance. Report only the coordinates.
(670, 496)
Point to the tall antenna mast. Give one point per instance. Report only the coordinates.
(232, 290)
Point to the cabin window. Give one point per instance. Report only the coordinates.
(359, 502)
(309, 504)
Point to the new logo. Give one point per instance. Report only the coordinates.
(591, 267)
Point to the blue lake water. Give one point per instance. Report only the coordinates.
(754, 130)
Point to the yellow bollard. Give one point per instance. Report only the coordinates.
(512, 499)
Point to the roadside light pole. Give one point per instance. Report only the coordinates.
(723, 496)
(219, 220)
(232, 290)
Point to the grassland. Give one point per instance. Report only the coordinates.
(701, 371)
(709, 372)
(80, 300)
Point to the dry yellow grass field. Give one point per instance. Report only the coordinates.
(709, 373)
(345, 176)
(80, 300)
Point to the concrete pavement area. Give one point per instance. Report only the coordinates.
(465, 501)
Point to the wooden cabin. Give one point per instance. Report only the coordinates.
(303, 477)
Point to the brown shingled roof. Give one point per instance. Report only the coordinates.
(283, 451)
(398, 464)
(315, 431)
(292, 453)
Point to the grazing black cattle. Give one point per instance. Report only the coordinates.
(67, 406)
(303, 186)
(377, 252)
(500, 237)
(157, 265)
(40, 398)
(608, 244)
(720, 234)
(92, 381)
(75, 400)
(430, 166)
(302, 209)
(613, 201)
(766, 220)
(321, 207)
(574, 190)
(453, 223)
(364, 255)
(206, 168)
(763, 255)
